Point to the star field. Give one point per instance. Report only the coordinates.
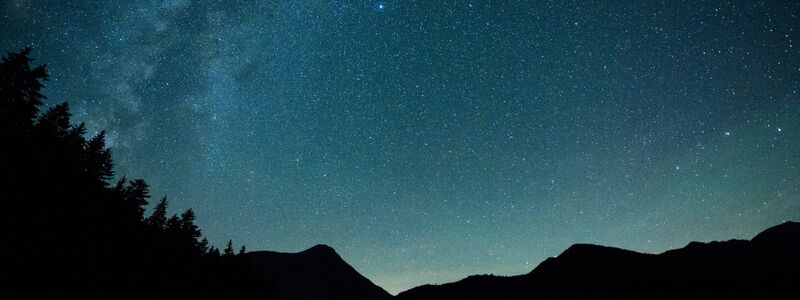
(431, 140)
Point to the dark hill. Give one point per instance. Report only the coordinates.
(316, 273)
(764, 268)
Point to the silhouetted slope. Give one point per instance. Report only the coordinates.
(71, 231)
(783, 235)
(316, 273)
(764, 268)
(472, 287)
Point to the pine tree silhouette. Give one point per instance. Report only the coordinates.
(136, 194)
(158, 219)
(97, 162)
(228, 249)
(20, 93)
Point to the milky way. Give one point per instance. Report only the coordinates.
(430, 140)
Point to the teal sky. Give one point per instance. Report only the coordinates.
(430, 140)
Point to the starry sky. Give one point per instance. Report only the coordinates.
(430, 140)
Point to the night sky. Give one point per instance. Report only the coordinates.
(429, 140)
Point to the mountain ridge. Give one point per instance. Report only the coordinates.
(315, 273)
(758, 267)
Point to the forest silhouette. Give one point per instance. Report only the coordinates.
(69, 229)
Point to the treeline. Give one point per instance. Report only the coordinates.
(69, 230)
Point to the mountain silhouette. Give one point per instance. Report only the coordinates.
(316, 273)
(765, 267)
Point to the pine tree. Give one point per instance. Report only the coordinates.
(228, 249)
(204, 245)
(214, 252)
(190, 233)
(20, 93)
(136, 194)
(158, 219)
(187, 224)
(173, 226)
(98, 165)
(242, 250)
(55, 121)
